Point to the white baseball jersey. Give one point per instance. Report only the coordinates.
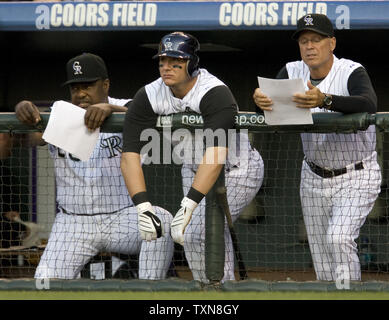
(95, 186)
(335, 208)
(164, 102)
(332, 150)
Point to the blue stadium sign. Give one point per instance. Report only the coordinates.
(255, 15)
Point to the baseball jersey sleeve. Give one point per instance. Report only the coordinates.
(219, 108)
(139, 116)
(362, 95)
(283, 73)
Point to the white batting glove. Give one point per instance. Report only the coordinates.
(149, 225)
(181, 220)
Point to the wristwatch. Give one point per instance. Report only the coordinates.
(327, 101)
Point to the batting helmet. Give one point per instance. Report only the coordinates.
(180, 45)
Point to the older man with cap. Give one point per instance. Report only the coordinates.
(96, 214)
(340, 178)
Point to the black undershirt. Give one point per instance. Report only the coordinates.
(362, 95)
(218, 109)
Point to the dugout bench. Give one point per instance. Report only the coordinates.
(21, 262)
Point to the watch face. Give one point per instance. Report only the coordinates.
(327, 100)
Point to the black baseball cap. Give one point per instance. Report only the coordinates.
(314, 22)
(86, 67)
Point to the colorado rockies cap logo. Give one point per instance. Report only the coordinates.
(308, 20)
(168, 44)
(77, 68)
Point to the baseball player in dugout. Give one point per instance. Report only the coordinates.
(340, 177)
(96, 213)
(184, 86)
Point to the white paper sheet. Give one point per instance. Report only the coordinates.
(284, 109)
(66, 130)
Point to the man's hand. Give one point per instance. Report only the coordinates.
(310, 99)
(12, 215)
(27, 112)
(150, 226)
(96, 114)
(262, 100)
(6, 143)
(182, 219)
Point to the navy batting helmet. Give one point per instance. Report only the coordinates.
(180, 45)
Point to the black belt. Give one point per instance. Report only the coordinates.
(92, 214)
(330, 173)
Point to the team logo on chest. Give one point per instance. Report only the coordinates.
(77, 68)
(112, 143)
(308, 20)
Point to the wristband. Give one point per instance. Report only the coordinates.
(140, 197)
(195, 195)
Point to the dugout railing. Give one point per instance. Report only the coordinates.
(270, 232)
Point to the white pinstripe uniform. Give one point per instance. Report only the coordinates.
(243, 174)
(97, 214)
(335, 208)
